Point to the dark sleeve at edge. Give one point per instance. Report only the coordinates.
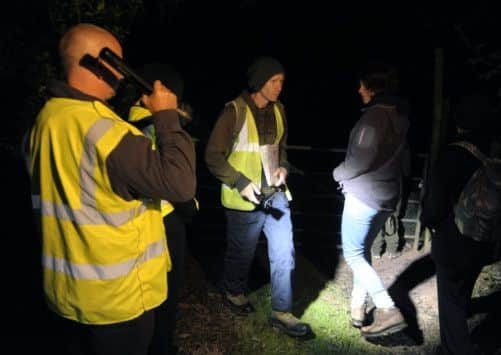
(219, 148)
(169, 172)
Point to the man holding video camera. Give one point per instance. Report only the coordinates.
(96, 187)
(246, 152)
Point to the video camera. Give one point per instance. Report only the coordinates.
(119, 65)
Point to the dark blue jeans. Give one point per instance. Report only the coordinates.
(243, 229)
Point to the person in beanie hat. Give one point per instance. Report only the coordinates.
(246, 153)
(173, 80)
(169, 76)
(262, 69)
(175, 215)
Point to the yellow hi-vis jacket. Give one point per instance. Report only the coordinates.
(105, 260)
(245, 155)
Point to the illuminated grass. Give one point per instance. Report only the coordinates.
(327, 313)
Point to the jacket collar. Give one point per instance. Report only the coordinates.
(388, 100)
(381, 100)
(58, 88)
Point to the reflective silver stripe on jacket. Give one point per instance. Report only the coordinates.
(88, 213)
(100, 272)
(242, 144)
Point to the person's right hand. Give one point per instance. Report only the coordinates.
(250, 192)
(160, 99)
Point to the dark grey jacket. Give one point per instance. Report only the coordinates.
(373, 165)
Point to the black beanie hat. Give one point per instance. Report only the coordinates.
(167, 75)
(261, 71)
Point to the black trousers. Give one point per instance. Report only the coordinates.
(166, 313)
(455, 287)
(459, 260)
(127, 338)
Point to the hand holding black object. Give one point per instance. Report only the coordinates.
(267, 193)
(119, 65)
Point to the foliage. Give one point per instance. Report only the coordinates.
(483, 53)
(116, 15)
(30, 58)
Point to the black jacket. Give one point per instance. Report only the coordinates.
(373, 167)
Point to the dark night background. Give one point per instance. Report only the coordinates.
(321, 44)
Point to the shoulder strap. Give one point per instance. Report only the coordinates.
(240, 108)
(472, 149)
(280, 108)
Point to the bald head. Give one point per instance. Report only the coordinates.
(84, 39)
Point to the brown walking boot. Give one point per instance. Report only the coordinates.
(238, 304)
(289, 324)
(386, 321)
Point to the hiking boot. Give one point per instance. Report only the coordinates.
(386, 321)
(358, 316)
(238, 304)
(289, 324)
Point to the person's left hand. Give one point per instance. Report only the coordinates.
(279, 176)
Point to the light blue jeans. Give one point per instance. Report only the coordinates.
(359, 226)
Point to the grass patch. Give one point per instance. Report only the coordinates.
(320, 303)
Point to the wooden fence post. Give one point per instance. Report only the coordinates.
(438, 105)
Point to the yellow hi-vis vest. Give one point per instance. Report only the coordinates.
(104, 259)
(245, 155)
